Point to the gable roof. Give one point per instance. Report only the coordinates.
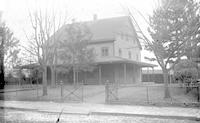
(104, 30)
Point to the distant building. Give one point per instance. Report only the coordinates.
(151, 75)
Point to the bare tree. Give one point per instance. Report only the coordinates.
(42, 43)
(57, 24)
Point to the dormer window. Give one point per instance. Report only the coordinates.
(120, 52)
(104, 51)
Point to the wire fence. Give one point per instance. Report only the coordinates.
(152, 94)
(109, 93)
(22, 92)
(62, 92)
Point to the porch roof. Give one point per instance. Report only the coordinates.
(110, 60)
(28, 66)
(105, 60)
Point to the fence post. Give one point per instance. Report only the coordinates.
(107, 91)
(198, 93)
(82, 90)
(117, 89)
(37, 88)
(61, 88)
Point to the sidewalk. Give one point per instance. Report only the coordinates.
(102, 109)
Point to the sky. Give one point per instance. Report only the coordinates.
(15, 12)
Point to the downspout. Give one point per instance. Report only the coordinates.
(114, 48)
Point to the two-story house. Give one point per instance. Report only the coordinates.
(118, 52)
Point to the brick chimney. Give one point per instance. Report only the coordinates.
(94, 17)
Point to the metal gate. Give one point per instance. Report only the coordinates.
(71, 93)
(111, 92)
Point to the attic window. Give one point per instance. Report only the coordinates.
(104, 51)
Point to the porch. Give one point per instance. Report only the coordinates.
(114, 70)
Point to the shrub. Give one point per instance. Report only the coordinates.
(186, 71)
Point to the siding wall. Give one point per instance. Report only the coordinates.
(127, 46)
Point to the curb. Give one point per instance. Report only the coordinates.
(44, 111)
(192, 118)
(149, 116)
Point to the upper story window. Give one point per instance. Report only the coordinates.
(129, 54)
(120, 52)
(104, 51)
(127, 38)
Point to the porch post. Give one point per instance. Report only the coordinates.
(124, 72)
(153, 74)
(148, 75)
(77, 81)
(99, 74)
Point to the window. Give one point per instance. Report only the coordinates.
(120, 52)
(127, 38)
(129, 54)
(104, 51)
(137, 57)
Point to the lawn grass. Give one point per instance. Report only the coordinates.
(154, 95)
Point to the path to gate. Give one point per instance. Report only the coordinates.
(94, 93)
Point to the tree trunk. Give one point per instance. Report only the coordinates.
(44, 80)
(53, 70)
(53, 78)
(165, 76)
(2, 79)
(2, 82)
